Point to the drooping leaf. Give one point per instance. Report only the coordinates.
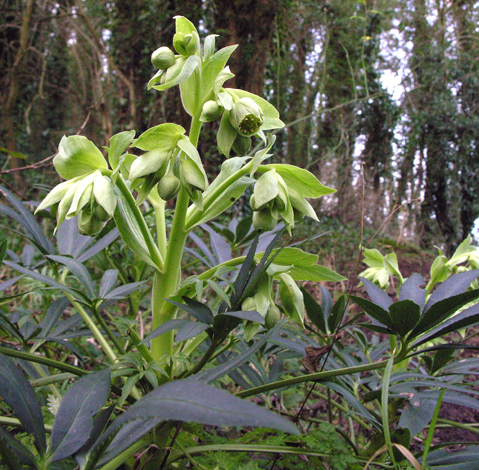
(466, 318)
(193, 401)
(190, 330)
(100, 245)
(74, 419)
(108, 280)
(337, 313)
(168, 326)
(99, 424)
(417, 414)
(200, 311)
(36, 275)
(26, 219)
(17, 392)
(227, 367)
(78, 269)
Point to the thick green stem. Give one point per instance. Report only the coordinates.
(166, 282)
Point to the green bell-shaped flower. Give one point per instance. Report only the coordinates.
(246, 117)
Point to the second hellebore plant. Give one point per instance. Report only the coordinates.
(163, 163)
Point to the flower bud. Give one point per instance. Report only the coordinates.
(248, 304)
(186, 44)
(163, 58)
(168, 187)
(272, 317)
(265, 220)
(211, 111)
(246, 117)
(88, 223)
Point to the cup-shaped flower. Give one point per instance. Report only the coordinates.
(246, 117)
(163, 58)
(78, 156)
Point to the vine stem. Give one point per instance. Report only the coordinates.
(166, 281)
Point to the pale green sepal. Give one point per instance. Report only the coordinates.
(83, 193)
(65, 204)
(56, 194)
(104, 194)
(266, 189)
(148, 163)
(226, 135)
(162, 137)
(78, 156)
(300, 180)
(291, 298)
(189, 96)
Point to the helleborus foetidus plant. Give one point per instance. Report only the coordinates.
(163, 163)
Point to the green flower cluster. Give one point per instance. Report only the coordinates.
(88, 192)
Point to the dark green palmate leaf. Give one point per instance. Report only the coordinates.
(74, 420)
(17, 392)
(192, 401)
(445, 308)
(374, 310)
